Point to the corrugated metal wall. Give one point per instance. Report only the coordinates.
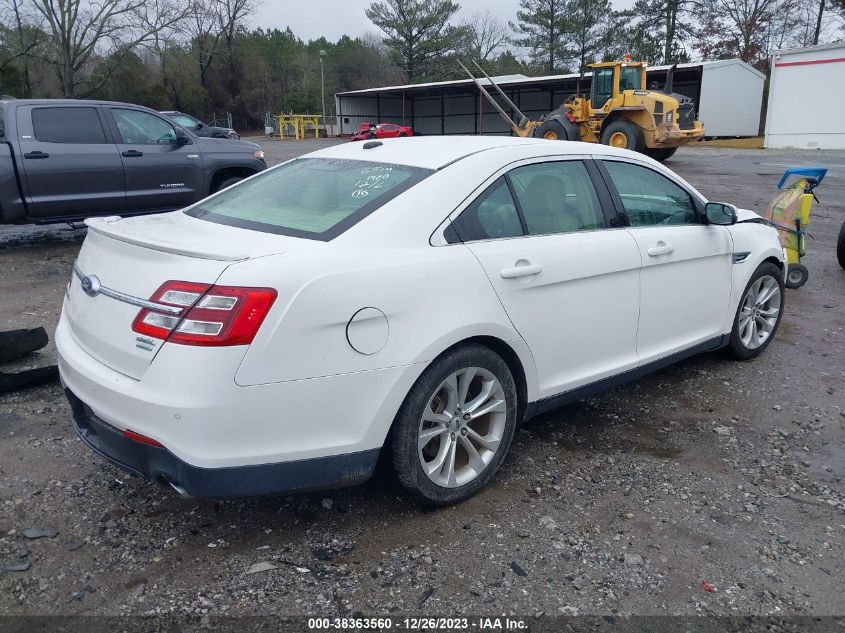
(460, 109)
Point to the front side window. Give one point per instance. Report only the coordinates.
(316, 198)
(68, 125)
(650, 198)
(602, 86)
(143, 128)
(557, 197)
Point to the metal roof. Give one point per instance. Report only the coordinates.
(810, 49)
(517, 80)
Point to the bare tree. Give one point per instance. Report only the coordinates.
(486, 35)
(81, 29)
(231, 14)
(739, 28)
(21, 39)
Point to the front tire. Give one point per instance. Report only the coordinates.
(624, 135)
(840, 246)
(454, 428)
(759, 313)
(225, 184)
(551, 130)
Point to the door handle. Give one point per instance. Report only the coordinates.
(36, 154)
(661, 248)
(522, 268)
(132, 153)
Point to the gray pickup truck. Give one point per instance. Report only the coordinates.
(63, 160)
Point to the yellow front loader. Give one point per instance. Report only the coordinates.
(620, 112)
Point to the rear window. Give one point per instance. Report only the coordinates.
(316, 198)
(68, 125)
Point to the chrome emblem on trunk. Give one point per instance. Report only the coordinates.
(91, 285)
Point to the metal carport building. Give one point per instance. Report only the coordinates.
(456, 107)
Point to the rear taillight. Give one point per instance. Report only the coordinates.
(211, 315)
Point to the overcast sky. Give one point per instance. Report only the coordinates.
(333, 18)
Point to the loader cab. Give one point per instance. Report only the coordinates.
(610, 79)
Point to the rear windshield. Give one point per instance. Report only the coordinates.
(316, 198)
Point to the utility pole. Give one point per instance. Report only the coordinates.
(323, 87)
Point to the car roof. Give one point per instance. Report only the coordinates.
(435, 152)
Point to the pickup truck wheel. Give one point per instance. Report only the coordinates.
(225, 184)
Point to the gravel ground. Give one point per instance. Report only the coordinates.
(712, 487)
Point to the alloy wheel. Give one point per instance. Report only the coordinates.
(759, 313)
(461, 427)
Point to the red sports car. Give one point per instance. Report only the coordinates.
(382, 130)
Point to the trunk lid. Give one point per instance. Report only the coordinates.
(133, 258)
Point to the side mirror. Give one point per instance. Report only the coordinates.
(720, 213)
(182, 138)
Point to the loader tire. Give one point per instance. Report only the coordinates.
(661, 153)
(624, 135)
(840, 246)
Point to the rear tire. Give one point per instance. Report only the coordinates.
(796, 276)
(840, 246)
(661, 153)
(758, 314)
(443, 450)
(624, 135)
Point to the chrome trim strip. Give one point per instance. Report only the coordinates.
(135, 301)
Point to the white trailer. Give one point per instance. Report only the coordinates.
(806, 92)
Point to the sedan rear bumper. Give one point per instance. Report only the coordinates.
(158, 464)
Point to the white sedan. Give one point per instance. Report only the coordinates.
(418, 297)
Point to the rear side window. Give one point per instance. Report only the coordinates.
(557, 197)
(68, 125)
(317, 198)
(492, 215)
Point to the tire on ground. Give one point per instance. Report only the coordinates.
(404, 434)
(552, 130)
(840, 246)
(661, 153)
(633, 135)
(226, 183)
(736, 348)
(796, 276)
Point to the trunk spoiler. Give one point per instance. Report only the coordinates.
(113, 228)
